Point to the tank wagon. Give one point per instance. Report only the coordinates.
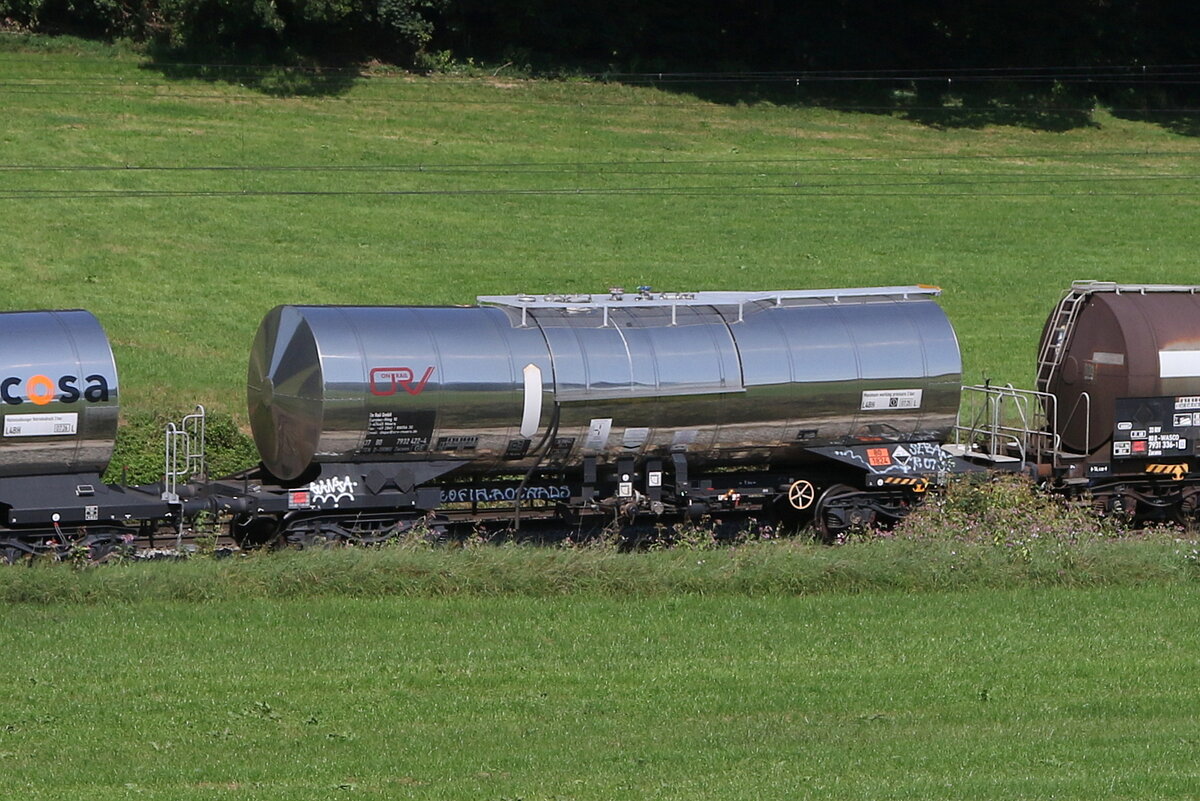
(59, 402)
(829, 403)
(837, 407)
(1115, 414)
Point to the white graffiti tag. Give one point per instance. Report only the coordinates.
(499, 494)
(332, 490)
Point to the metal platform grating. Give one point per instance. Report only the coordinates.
(644, 297)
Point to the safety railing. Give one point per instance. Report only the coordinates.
(1004, 423)
(183, 454)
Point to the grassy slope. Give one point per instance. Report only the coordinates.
(999, 695)
(740, 197)
(1072, 694)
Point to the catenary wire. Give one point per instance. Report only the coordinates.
(636, 166)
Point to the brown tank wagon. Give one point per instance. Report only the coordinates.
(1116, 413)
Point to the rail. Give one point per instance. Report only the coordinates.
(617, 298)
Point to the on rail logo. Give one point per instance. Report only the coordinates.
(390, 380)
(41, 390)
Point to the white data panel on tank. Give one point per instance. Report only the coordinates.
(1178, 363)
(884, 399)
(41, 425)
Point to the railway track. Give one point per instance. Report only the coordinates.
(539, 526)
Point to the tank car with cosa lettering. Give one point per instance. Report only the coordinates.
(831, 403)
(58, 417)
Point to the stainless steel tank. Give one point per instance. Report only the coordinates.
(1107, 343)
(726, 377)
(58, 393)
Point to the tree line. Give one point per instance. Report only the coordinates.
(838, 41)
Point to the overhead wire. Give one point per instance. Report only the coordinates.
(1134, 74)
(800, 177)
(826, 182)
(963, 188)
(605, 166)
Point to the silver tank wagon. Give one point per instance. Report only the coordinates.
(58, 394)
(728, 378)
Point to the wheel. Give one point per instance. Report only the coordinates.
(251, 533)
(801, 494)
(11, 554)
(838, 512)
(106, 550)
(326, 531)
(1189, 506)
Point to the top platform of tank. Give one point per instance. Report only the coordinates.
(1084, 287)
(642, 297)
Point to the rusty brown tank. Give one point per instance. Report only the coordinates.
(1121, 361)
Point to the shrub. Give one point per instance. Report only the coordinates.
(1005, 510)
(139, 453)
(243, 31)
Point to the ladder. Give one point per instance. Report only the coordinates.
(1054, 345)
(183, 454)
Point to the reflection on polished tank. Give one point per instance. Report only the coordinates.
(58, 394)
(727, 378)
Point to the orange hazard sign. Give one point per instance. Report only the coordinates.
(879, 457)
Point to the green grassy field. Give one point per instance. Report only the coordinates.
(986, 694)
(181, 210)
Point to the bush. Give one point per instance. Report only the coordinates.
(139, 453)
(1005, 510)
(243, 31)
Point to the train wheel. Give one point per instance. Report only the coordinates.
(1189, 504)
(312, 534)
(1122, 505)
(104, 551)
(837, 512)
(255, 532)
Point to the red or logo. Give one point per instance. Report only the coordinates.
(386, 380)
